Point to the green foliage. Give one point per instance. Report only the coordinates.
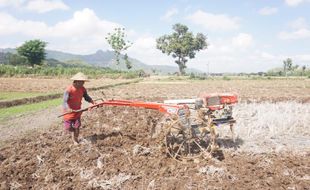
(15, 59)
(291, 70)
(182, 45)
(118, 43)
(275, 72)
(29, 108)
(6, 96)
(303, 70)
(176, 78)
(12, 59)
(33, 51)
(127, 62)
(3, 58)
(76, 63)
(93, 72)
(194, 76)
(288, 66)
(226, 78)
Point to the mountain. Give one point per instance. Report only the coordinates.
(106, 59)
(100, 58)
(8, 50)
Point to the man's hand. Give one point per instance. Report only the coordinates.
(69, 110)
(92, 102)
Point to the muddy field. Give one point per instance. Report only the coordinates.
(116, 151)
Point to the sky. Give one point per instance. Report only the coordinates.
(242, 35)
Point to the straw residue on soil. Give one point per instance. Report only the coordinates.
(117, 152)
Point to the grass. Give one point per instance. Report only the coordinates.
(10, 112)
(6, 96)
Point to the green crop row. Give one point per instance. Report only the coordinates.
(28, 108)
(92, 72)
(5, 96)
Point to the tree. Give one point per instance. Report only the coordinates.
(182, 45)
(287, 65)
(303, 69)
(33, 51)
(15, 59)
(118, 44)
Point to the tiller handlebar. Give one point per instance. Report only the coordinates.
(165, 108)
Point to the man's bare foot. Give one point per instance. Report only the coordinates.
(76, 142)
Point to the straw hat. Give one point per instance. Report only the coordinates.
(80, 77)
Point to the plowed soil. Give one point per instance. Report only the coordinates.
(116, 150)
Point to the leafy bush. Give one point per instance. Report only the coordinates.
(194, 76)
(226, 78)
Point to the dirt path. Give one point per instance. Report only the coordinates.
(32, 123)
(29, 123)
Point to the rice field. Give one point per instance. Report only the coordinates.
(116, 151)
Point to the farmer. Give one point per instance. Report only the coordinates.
(72, 101)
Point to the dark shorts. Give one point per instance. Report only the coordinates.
(72, 124)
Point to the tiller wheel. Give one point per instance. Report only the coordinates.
(185, 140)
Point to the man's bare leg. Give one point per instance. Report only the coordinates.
(75, 136)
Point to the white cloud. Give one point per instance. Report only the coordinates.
(243, 40)
(13, 3)
(42, 6)
(226, 57)
(299, 30)
(145, 43)
(295, 35)
(169, 14)
(11, 26)
(84, 23)
(299, 23)
(83, 33)
(214, 21)
(144, 49)
(303, 57)
(230, 55)
(268, 11)
(267, 56)
(299, 59)
(293, 3)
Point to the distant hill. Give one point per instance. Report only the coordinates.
(105, 59)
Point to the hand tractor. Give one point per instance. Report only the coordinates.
(189, 125)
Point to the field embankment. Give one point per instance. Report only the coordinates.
(40, 88)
